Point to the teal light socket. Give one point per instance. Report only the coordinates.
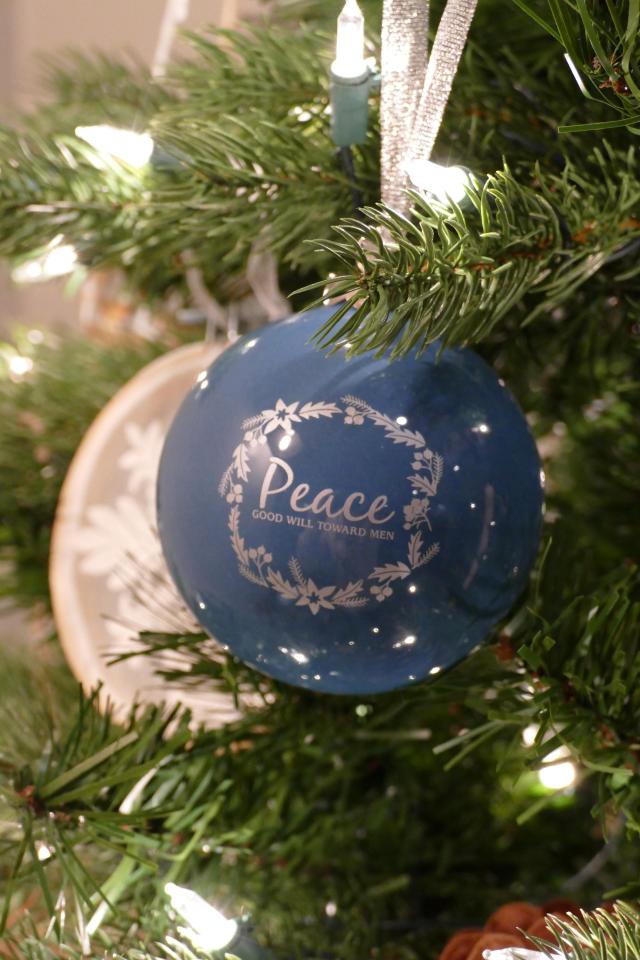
(349, 109)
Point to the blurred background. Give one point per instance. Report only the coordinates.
(29, 33)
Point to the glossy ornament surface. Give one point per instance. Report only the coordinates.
(348, 526)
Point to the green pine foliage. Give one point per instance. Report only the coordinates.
(43, 416)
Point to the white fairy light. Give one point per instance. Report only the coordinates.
(19, 366)
(436, 180)
(207, 929)
(557, 773)
(132, 148)
(57, 260)
(43, 851)
(350, 60)
(60, 260)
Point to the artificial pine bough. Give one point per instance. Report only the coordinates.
(351, 828)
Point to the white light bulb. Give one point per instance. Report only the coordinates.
(28, 272)
(43, 852)
(350, 61)
(443, 183)
(207, 928)
(559, 776)
(558, 773)
(132, 148)
(529, 734)
(19, 366)
(57, 260)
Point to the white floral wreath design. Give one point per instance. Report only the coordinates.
(255, 563)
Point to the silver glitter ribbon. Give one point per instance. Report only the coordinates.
(443, 64)
(414, 95)
(405, 25)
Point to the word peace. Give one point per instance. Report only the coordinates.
(322, 502)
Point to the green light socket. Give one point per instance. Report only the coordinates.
(349, 109)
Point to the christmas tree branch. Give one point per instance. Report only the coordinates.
(102, 816)
(43, 415)
(580, 691)
(245, 156)
(454, 272)
(602, 42)
(598, 935)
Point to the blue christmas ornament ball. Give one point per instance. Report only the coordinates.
(348, 525)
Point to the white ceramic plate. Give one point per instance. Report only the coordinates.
(108, 578)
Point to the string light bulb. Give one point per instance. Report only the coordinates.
(351, 80)
(445, 184)
(56, 260)
(557, 773)
(132, 148)
(350, 61)
(207, 929)
(529, 734)
(19, 366)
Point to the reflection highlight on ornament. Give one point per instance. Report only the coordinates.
(405, 642)
(296, 655)
(402, 421)
(434, 671)
(285, 442)
(481, 428)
